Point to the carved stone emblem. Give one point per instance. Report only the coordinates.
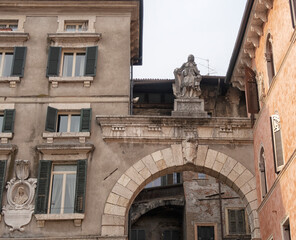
(189, 148)
(20, 195)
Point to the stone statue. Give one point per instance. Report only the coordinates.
(187, 80)
(21, 196)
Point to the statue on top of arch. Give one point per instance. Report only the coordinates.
(187, 80)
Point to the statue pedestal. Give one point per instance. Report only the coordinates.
(193, 107)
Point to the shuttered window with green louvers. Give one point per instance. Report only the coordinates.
(80, 186)
(8, 120)
(2, 179)
(19, 59)
(236, 221)
(46, 178)
(44, 173)
(53, 120)
(54, 61)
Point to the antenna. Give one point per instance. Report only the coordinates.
(207, 66)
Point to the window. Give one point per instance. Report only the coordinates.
(2, 179)
(286, 230)
(12, 62)
(201, 176)
(138, 234)
(68, 121)
(205, 232)
(236, 220)
(72, 63)
(61, 187)
(293, 12)
(7, 120)
(76, 26)
(277, 142)
(171, 235)
(169, 179)
(262, 173)
(269, 58)
(9, 25)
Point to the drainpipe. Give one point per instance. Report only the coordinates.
(131, 88)
(220, 205)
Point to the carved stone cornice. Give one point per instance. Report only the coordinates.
(131, 129)
(251, 39)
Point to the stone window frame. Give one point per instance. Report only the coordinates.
(269, 57)
(21, 19)
(205, 224)
(61, 154)
(227, 221)
(4, 136)
(286, 220)
(62, 20)
(74, 107)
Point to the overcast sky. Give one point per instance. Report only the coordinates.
(173, 29)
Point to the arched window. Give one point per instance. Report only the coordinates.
(269, 58)
(262, 173)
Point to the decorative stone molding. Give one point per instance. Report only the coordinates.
(4, 137)
(205, 130)
(50, 136)
(56, 80)
(13, 38)
(76, 217)
(227, 169)
(261, 15)
(20, 195)
(250, 52)
(257, 29)
(267, 3)
(189, 150)
(68, 39)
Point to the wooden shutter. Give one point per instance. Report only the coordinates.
(91, 61)
(167, 235)
(85, 120)
(277, 142)
(80, 186)
(53, 62)
(241, 224)
(2, 179)
(251, 91)
(8, 120)
(42, 193)
(19, 59)
(51, 119)
(232, 222)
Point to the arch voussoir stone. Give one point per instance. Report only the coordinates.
(227, 169)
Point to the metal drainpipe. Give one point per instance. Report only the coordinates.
(131, 88)
(220, 205)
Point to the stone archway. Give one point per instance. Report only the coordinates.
(214, 163)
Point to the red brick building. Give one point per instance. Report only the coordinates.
(263, 64)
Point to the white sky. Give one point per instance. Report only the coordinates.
(173, 29)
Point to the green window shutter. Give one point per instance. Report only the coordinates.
(42, 193)
(51, 119)
(232, 221)
(8, 121)
(19, 59)
(53, 62)
(85, 119)
(2, 179)
(80, 186)
(241, 221)
(141, 234)
(91, 61)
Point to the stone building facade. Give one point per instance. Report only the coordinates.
(77, 146)
(264, 56)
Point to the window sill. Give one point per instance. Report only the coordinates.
(50, 136)
(56, 80)
(4, 137)
(76, 217)
(11, 80)
(13, 36)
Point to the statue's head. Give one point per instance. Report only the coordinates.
(190, 58)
